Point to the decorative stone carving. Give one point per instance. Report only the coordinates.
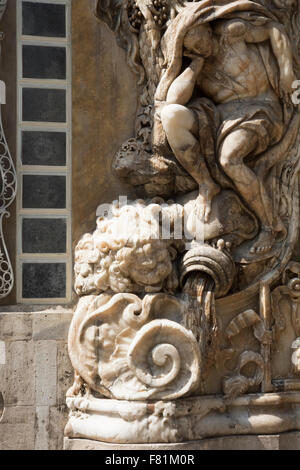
(181, 420)
(133, 354)
(7, 192)
(285, 303)
(192, 304)
(127, 252)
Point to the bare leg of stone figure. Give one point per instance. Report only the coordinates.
(180, 126)
(236, 147)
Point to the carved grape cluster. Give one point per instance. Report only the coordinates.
(159, 10)
(135, 15)
(161, 7)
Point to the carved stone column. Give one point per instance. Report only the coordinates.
(187, 325)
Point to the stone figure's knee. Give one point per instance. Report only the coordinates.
(232, 154)
(174, 116)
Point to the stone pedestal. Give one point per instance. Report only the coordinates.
(286, 441)
(184, 423)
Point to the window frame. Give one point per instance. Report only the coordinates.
(66, 170)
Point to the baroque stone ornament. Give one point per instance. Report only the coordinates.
(7, 191)
(188, 321)
(134, 354)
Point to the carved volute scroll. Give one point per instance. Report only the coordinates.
(196, 296)
(7, 192)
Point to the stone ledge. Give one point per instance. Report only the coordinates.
(285, 441)
(27, 309)
(189, 419)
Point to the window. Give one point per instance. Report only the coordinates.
(44, 258)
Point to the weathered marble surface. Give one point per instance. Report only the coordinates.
(123, 422)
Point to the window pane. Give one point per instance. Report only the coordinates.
(44, 62)
(44, 280)
(44, 105)
(42, 19)
(44, 192)
(43, 148)
(44, 235)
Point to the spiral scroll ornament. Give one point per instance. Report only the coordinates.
(121, 349)
(164, 355)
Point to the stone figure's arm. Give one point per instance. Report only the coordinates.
(283, 52)
(181, 90)
(281, 47)
(274, 32)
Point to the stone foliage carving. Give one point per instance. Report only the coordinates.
(197, 295)
(285, 303)
(239, 383)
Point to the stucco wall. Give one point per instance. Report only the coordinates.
(104, 106)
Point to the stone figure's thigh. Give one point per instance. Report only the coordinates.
(179, 124)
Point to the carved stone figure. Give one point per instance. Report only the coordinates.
(191, 303)
(244, 100)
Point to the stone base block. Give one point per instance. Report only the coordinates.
(190, 420)
(285, 441)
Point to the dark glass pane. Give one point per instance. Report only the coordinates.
(43, 148)
(44, 62)
(44, 280)
(42, 19)
(44, 192)
(44, 235)
(44, 105)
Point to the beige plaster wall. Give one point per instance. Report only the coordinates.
(104, 106)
